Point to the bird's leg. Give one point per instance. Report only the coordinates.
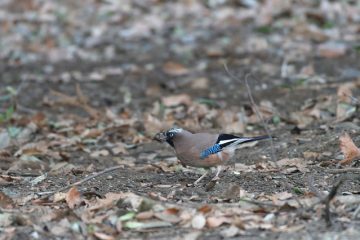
(219, 168)
(200, 178)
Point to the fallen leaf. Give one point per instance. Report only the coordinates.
(299, 164)
(103, 236)
(100, 153)
(344, 92)
(230, 232)
(145, 215)
(280, 197)
(153, 224)
(349, 149)
(176, 100)
(153, 125)
(198, 221)
(29, 164)
(38, 179)
(172, 218)
(205, 209)
(118, 148)
(175, 69)
(231, 122)
(73, 198)
(332, 50)
(213, 222)
(92, 133)
(109, 200)
(128, 216)
(59, 196)
(200, 83)
(172, 210)
(6, 219)
(6, 201)
(311, 155)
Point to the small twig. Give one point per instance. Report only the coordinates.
(259, 203)
(257, 112)
(356, 213)
(330, 197)
(264, 124)
(267, 130)
(107, 170)
(344, 170)
(284, 69)
(21, 108)
(20, 174)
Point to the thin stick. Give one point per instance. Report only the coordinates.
(344, 170)
(107, 170)
(356, 212)
(330, 197)
(257, 112)
(259, 203)
(256, 109)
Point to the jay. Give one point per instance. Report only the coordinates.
(203, 150)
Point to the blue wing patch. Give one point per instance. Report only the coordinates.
(211, 150)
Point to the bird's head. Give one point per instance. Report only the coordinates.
(168, 136)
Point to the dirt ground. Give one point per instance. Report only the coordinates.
(136, 83)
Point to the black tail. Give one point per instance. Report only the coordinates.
(227, 140)
(251, 139)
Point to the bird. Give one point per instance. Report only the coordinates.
(203, 150)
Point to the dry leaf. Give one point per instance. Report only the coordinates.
(153, 125)
(200, 83)
(145, 215)
(176, 100)
(100, 153)
(172, 218)
(231, 121)
(175, 69)
(59, 196)
(230, 232)
(332, 50)
(198, 222)
(119, 147)
(311, 155)
(349, 149)
(205, 209)
(103, 236)
(172, 210)
(281, 196)
(344, 108)
(5, 201)
(92, 133)
(299, 163)
(213, 222)
(344, 92)
(73, 198)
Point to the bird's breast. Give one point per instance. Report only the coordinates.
(192, 158)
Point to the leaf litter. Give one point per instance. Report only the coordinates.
(76, 150)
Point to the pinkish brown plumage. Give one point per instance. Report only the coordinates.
(203, 150)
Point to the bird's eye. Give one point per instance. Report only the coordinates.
(171, 135)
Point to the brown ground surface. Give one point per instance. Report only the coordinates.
(143, 82)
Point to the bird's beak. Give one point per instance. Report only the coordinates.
(160, 137)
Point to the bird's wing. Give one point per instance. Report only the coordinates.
(227, 141)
